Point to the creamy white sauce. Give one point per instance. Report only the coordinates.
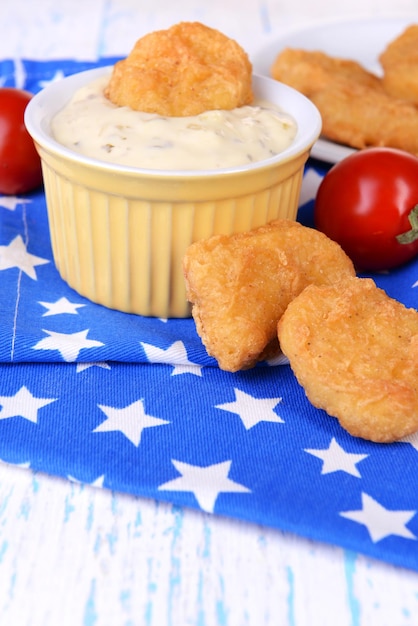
(93, 126)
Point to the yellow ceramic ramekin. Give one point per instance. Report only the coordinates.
(119, 233)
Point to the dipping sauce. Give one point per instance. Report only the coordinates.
(93, 126)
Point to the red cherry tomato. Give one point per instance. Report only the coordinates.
(20, 164)
(368, 203)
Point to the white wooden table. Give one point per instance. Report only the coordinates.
(73, 555)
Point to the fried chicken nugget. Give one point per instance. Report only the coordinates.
(355, 352)
(400, 66)
(185, 70)
(354, 106)
(240, 286)
(311, 71)
(361, 118)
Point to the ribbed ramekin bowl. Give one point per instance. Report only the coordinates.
(119, 233)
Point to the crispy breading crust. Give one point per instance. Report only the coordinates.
(355, 352)
(240, 285)
(355, 108)
(185, 70)
(400, 65)
(311, 71)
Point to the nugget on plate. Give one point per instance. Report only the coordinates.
(355, 108)
(185, 70)
(400, 65)
(355, 352)
(309, 71)
(240, 286)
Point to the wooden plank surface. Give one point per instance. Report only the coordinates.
(74, 555)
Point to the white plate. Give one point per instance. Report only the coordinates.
(361, 39)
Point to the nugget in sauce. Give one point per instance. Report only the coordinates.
(185, 70)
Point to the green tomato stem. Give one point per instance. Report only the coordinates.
(411, 235)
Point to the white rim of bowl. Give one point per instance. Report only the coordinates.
(44, 139)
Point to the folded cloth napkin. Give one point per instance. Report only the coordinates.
(136, 405)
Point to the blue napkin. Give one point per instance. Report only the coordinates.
(136, 405)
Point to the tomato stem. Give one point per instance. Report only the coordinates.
(411, 235)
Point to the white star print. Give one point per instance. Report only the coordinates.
(59, 75)
(412, 439)
(68, 345)
(23, 404)
(206, 483)
(11, 202)
(175, 355)
(379, 521)
(16, 255)
(310, 184)
(335, 459)
(24, 465)
(96, 483)
(131, 421)
(81, 367)
(280, 359)
(252, 410)
(63, 305)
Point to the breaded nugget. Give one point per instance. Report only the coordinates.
(400, 66)
(354, 107)
(355, 352)
(311, 71)
(361, 118)
(185, 70)
(240, 286)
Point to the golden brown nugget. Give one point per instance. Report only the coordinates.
(311, 71)
(400, 66)
(240, 286)
(354, 107)
(355, 352)
(361, 118)
(185, 70)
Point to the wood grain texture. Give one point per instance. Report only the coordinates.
(73, 555)
(78, 555)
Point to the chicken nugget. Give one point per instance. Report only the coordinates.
(311, 71)
(400, 66)
(185, 70)
(240, 286)
(355, 352)
(360, 117)
(355, 108)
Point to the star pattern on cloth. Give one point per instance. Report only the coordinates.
(206, 483)
(336, 459)
(379, 521)
(68, 345)
(130, 420)
(175, 355)
(11, 202)
(310, 184)
(23, 465)
(63, 305)
(280, 359)
(98, 482)
(81, 367)
(59, 75)
(16, 255)
(112, 399)
(23, 404)
(252, 410)
(411, 439)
